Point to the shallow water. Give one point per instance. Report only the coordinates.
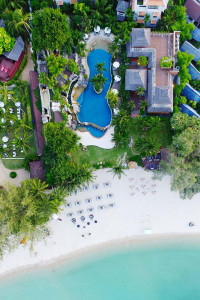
(165, 271)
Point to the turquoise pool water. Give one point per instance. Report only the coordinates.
(93, 107)
(159, 272)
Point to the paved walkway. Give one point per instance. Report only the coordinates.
(4, 175)
(29, 67)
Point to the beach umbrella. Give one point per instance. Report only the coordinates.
(5, 139)
(5, 146)
(18, 104)
(3, 120)
(116, 64)
(115, 91)
(107, 30)
(55, 217)
(117, 78)
(1, 104)
(97, 28)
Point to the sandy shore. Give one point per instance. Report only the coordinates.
(140, 204)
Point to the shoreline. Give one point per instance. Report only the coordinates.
(123, 211)
(115, 244)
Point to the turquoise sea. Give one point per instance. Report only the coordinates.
(153, 271)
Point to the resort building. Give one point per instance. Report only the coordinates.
(121, 9)
(10, 61)
(156, 81)
(61, 2)
(141, 9)
(193, 16)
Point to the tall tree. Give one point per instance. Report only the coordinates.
(50, 30)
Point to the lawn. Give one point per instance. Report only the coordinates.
(13, 164)
(16, 122)
(94, 154)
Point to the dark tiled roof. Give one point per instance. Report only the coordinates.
(37, 114)
(162, 100)
(122, 6)
(193, 9)
(135, 78)
(140, 37)
(16, 51)
(36, 170)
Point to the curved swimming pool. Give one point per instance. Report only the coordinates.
(93, 107)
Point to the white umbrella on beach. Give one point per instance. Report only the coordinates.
(115, 91)
(1, 104)
(18, 104)
(55, 217)
(117, 78)
(97, 29)
(116, 64)
(5, 139)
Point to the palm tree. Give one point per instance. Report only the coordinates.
(57, 198)
(37, 187)
(112, 98)
(100, 67)
(22, 124)
(140, 91)
(5, 92)
(98, 82)
(19, 22)
(117, 169)
(23, 142)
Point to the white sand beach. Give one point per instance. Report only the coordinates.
(141, 206)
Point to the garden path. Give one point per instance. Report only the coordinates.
(4, 175)
(29, 67)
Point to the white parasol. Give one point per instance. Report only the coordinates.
(5, 139)
(97, 28)
(85, 36)
(1, 104)
(3, 120)
(4, 146)
(18, 104)
(55, 217)
(115, 91)
(117, 78)
(107, 30)
(116, 64)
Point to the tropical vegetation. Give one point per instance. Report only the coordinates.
(142, 61)
(166, 62)
(98, 80)
(6, 41)
(183, 163)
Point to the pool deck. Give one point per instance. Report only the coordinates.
(104, 142)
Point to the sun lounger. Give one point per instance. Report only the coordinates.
(70, 214)
(88, 200)
(78, 203)
(90, 209)
(111, 205)
(80, 212)
(109, 195)
(99, 198)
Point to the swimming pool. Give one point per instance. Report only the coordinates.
(93, 107)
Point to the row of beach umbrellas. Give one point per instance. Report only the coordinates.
(17, 104)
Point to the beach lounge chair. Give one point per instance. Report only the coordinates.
(101, 207)
(109, 195)
(90, 209)
(80, 212)
(88, 200)
(111, 205)
(78, 203)
(99, 198)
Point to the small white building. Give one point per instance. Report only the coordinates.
(153, 8)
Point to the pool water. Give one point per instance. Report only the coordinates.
(162, 272)
(93, 107)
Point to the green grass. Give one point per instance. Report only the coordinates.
(13, 164)
(94, 154)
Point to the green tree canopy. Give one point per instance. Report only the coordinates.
(6, 41)
(183, 163)
(50, 30)
(24, 211)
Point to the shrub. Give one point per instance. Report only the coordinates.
(13, 175)
(137, 159)
(142, 61)
(176, 109)
(166, 62)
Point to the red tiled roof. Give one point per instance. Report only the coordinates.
(140, 21)
(36, 170)
(37, 114)
(142, 13)
(193, 9)
(153, 21)
(60, 2)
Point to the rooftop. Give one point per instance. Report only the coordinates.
(36, 170)
(193, 9)
(140, 37)
(122, 6)
(135, 78)
(16, 51)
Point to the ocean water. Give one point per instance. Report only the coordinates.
(165, 271)
(94, 107)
